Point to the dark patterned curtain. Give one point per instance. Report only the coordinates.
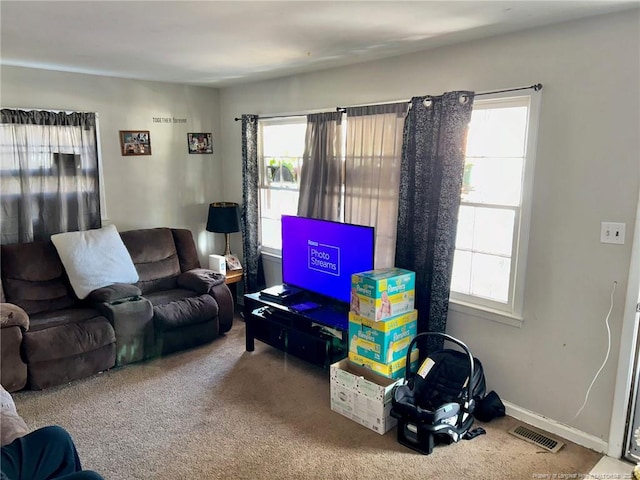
(250, 197)
(48, 174)
(430, 181)
(322, 174)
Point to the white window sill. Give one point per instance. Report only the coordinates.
(271, 252)
(485, 313)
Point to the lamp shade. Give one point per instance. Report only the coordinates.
(224, 217)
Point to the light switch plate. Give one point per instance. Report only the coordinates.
(611, 232)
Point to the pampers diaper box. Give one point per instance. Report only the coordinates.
(383, 293)
(385, 341)
(393, 370)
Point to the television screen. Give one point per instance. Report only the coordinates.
(320, 256)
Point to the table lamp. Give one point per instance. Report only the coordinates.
(224, 217)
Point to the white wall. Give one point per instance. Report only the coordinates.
(587, 171)
(170, 188)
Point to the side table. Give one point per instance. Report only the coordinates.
(231, 279)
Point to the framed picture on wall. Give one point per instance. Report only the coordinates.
(135, 142)
(199, 143)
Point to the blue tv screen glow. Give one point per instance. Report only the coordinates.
(320, 256)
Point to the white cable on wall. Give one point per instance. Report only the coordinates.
(606, 357)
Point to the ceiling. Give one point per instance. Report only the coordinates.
(220, 43)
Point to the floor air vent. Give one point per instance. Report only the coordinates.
(537, 438)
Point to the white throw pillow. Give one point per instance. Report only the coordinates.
(94, 259)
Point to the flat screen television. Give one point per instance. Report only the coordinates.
(320, 256)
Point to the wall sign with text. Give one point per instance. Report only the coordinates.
(168, 120)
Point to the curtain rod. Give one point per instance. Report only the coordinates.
(536, 87)
(31, 109)
(275, 116)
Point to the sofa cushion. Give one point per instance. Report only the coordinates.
(51, 339)
(154, 255)
(40, 321)
(187, 337)
(168, 296)
(50, 373)
(94, 259)
(187, 311)
(33, 277)
(186, 248)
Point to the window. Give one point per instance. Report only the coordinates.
(49, 173)
(493, 220)
(280, 160)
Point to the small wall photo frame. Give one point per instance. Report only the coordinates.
(135, 142)
(199, 143)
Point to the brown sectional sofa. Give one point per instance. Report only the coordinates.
(175, 305)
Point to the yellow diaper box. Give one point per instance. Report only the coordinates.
(383, 293)
(362, 395)
(393, 370)
(385, 341)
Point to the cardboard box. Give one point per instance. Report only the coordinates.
(383, 293)
(391, 370)
(362, 395)
(385, 341)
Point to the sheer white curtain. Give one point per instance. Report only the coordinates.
(48, 174)
(372, 172)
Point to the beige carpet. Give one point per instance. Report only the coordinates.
(218, 412)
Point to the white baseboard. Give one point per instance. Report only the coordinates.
(564, 431)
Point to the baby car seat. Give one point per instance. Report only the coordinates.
(436, 403)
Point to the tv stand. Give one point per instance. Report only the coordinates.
(301, 334)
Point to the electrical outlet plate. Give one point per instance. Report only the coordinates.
(612, 232)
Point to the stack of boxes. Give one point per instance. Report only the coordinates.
(382, 320)
(382, 323)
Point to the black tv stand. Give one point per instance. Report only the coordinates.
(318, 336)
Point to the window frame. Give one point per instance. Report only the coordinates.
(263, 184)
(511, 313)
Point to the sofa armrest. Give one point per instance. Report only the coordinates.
(200, 280)
(132, 321)
(13, 316)
(115, 292)
(226, 306)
